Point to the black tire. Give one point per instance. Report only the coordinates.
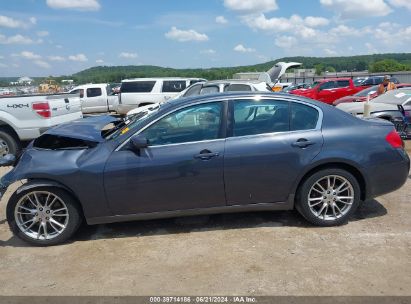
(302, 203)
(74, 218)
(13, 144)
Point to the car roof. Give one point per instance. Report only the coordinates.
(333, 79)
(234, 81)
(160, 78)
(238, 95)
(398, 96)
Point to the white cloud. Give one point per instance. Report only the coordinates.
(371, 49)
(208, 52)
(57, 58)
(9, 22)
(16, 39)
(221, 20)
(251, 6)
(99, 61)
(351, 9)
(78, 57)
(330, 52)
(286, 42)
(42, 64)
(42, 33)
(27, 55)
(316, 21)
(401, 3)
(1, 57)
(80, 5)
(3, 65)
(128, 55)
(293, 24)
(242, 49)
(185, 35)
(59, 46)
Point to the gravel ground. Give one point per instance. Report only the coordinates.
(271, 253)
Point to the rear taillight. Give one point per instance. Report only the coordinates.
(394, 139)
(42, 108)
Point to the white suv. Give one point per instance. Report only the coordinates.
(145, 91)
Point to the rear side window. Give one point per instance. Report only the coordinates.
(193, 91)
(173, 86)
(303, 117)
(237, 88)
(137, 86)
(258, 117)
(209, 90)
(93, 92)
(327, 85)
(343, 83)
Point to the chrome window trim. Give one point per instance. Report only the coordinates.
(232, 98)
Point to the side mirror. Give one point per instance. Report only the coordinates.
(139, 142)
(7, 160)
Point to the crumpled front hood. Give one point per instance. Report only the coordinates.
(88, 129)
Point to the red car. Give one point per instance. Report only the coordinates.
(362, 95)
(329, 90)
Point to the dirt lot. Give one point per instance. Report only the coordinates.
(257, 254)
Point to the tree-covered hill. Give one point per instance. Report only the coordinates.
(352, 63)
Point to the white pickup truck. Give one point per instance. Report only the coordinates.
(95, 97)
(24, 118)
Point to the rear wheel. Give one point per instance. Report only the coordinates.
(8, 144)
(43, 216)
(328, 197)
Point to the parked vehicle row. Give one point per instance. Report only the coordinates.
(394, 106)
(229, 152)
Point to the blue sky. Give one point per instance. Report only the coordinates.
(60, 37)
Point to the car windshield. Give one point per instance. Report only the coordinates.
(367, 91)
(131, 121)
(313, 85)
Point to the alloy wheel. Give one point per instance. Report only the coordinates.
(41, 215)
(4, 148)
(331, 197)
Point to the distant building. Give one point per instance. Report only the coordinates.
(68, 81)
(24, 81)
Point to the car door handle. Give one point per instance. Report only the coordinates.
(302, 143)
(206, 155)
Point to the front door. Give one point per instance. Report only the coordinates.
(271, 142)
(95, 101)
(181, 169)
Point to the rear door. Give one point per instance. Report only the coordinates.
(271, 142)
(344, 88)
(95, 100)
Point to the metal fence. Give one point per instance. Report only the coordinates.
(403, 77)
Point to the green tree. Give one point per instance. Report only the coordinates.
(386, 65)
(319, 69)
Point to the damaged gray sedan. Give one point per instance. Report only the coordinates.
(210, 154)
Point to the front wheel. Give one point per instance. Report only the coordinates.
(43, 216)
(328, 197)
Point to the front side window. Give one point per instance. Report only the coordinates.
(343, 83)
(303, 117)
(173, 86)
(253, 117)
(327, 85)
(195, 123)
(137, 86)
(93, 92)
